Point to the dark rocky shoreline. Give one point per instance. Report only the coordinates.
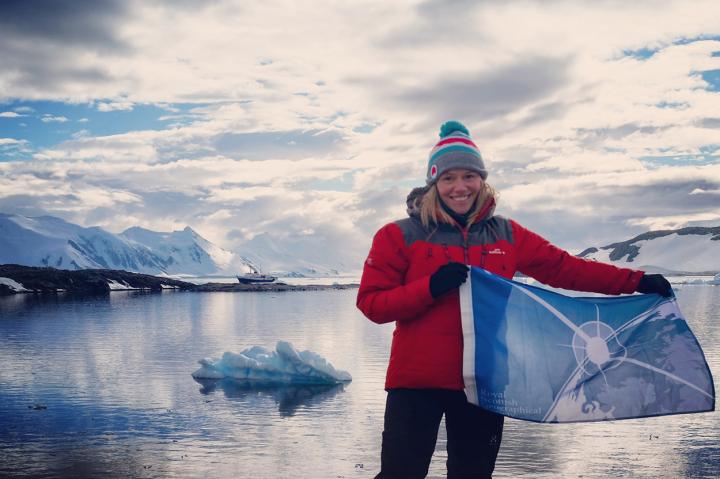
(98, 281)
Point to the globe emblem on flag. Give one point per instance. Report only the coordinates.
(597, 348)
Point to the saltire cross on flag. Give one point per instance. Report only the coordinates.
(538, 355)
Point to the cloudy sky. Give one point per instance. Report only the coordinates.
(598, 120)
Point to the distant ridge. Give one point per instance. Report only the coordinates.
(689, 250)
(47, 241)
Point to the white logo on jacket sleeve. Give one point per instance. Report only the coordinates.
(496, 251)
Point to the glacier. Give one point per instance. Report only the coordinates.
(285, 365)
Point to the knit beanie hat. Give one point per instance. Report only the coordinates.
(454, 150)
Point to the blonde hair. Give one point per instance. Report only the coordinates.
(431, 211)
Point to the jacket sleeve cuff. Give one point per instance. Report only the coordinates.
(635, 278)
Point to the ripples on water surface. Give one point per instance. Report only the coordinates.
(114, 374)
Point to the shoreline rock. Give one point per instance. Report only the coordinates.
(270, 287)
(45, 280)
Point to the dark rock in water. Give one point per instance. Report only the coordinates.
(97, 281)
(84, 281)
(37, 407)
(269, 287)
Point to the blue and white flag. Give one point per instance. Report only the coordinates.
(537, 355)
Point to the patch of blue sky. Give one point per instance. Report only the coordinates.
(706, 156)
(641, 53)
(46, 123)
(614, 149)
(646, 52)
(709, 149)
(365, 128)
(292, 145)
(715, 54)
(12, 151)
(329, 119)
(686, 41)
(673, 105)
(712, 78)
(343, 183)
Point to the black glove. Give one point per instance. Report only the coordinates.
(447, 277)
(654, 283)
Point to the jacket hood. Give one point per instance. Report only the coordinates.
(415, 197)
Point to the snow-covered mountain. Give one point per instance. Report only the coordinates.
(685, 250)
(189, 251)
(294, 257)
(50, 241)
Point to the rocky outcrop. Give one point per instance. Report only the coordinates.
(84, 281)
(29, 279)
(269, 287)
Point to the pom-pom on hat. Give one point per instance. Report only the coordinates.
(454, 150)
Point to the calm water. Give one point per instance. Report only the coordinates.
(114, 375)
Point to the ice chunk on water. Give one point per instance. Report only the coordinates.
(284, 365)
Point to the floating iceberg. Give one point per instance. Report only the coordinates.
(284, 365)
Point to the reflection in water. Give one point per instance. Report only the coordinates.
(288, 397)
(92, 460)
(114, 373)
(702, 461)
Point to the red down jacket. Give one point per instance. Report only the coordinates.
(427, 345)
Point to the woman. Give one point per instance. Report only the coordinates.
(412, 275)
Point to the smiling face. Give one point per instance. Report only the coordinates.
(459, 188)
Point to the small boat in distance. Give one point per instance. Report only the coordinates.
(255, 277)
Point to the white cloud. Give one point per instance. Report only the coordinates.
(701, 191)
(115, 106)
(323, 125)
(9, 114)
(679, 221)
(53, 119)
(10, 141)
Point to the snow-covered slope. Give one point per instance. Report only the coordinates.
(50, 241)
(188, 251)
(686, 250)
(296, 257)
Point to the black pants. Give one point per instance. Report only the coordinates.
(412, 420)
